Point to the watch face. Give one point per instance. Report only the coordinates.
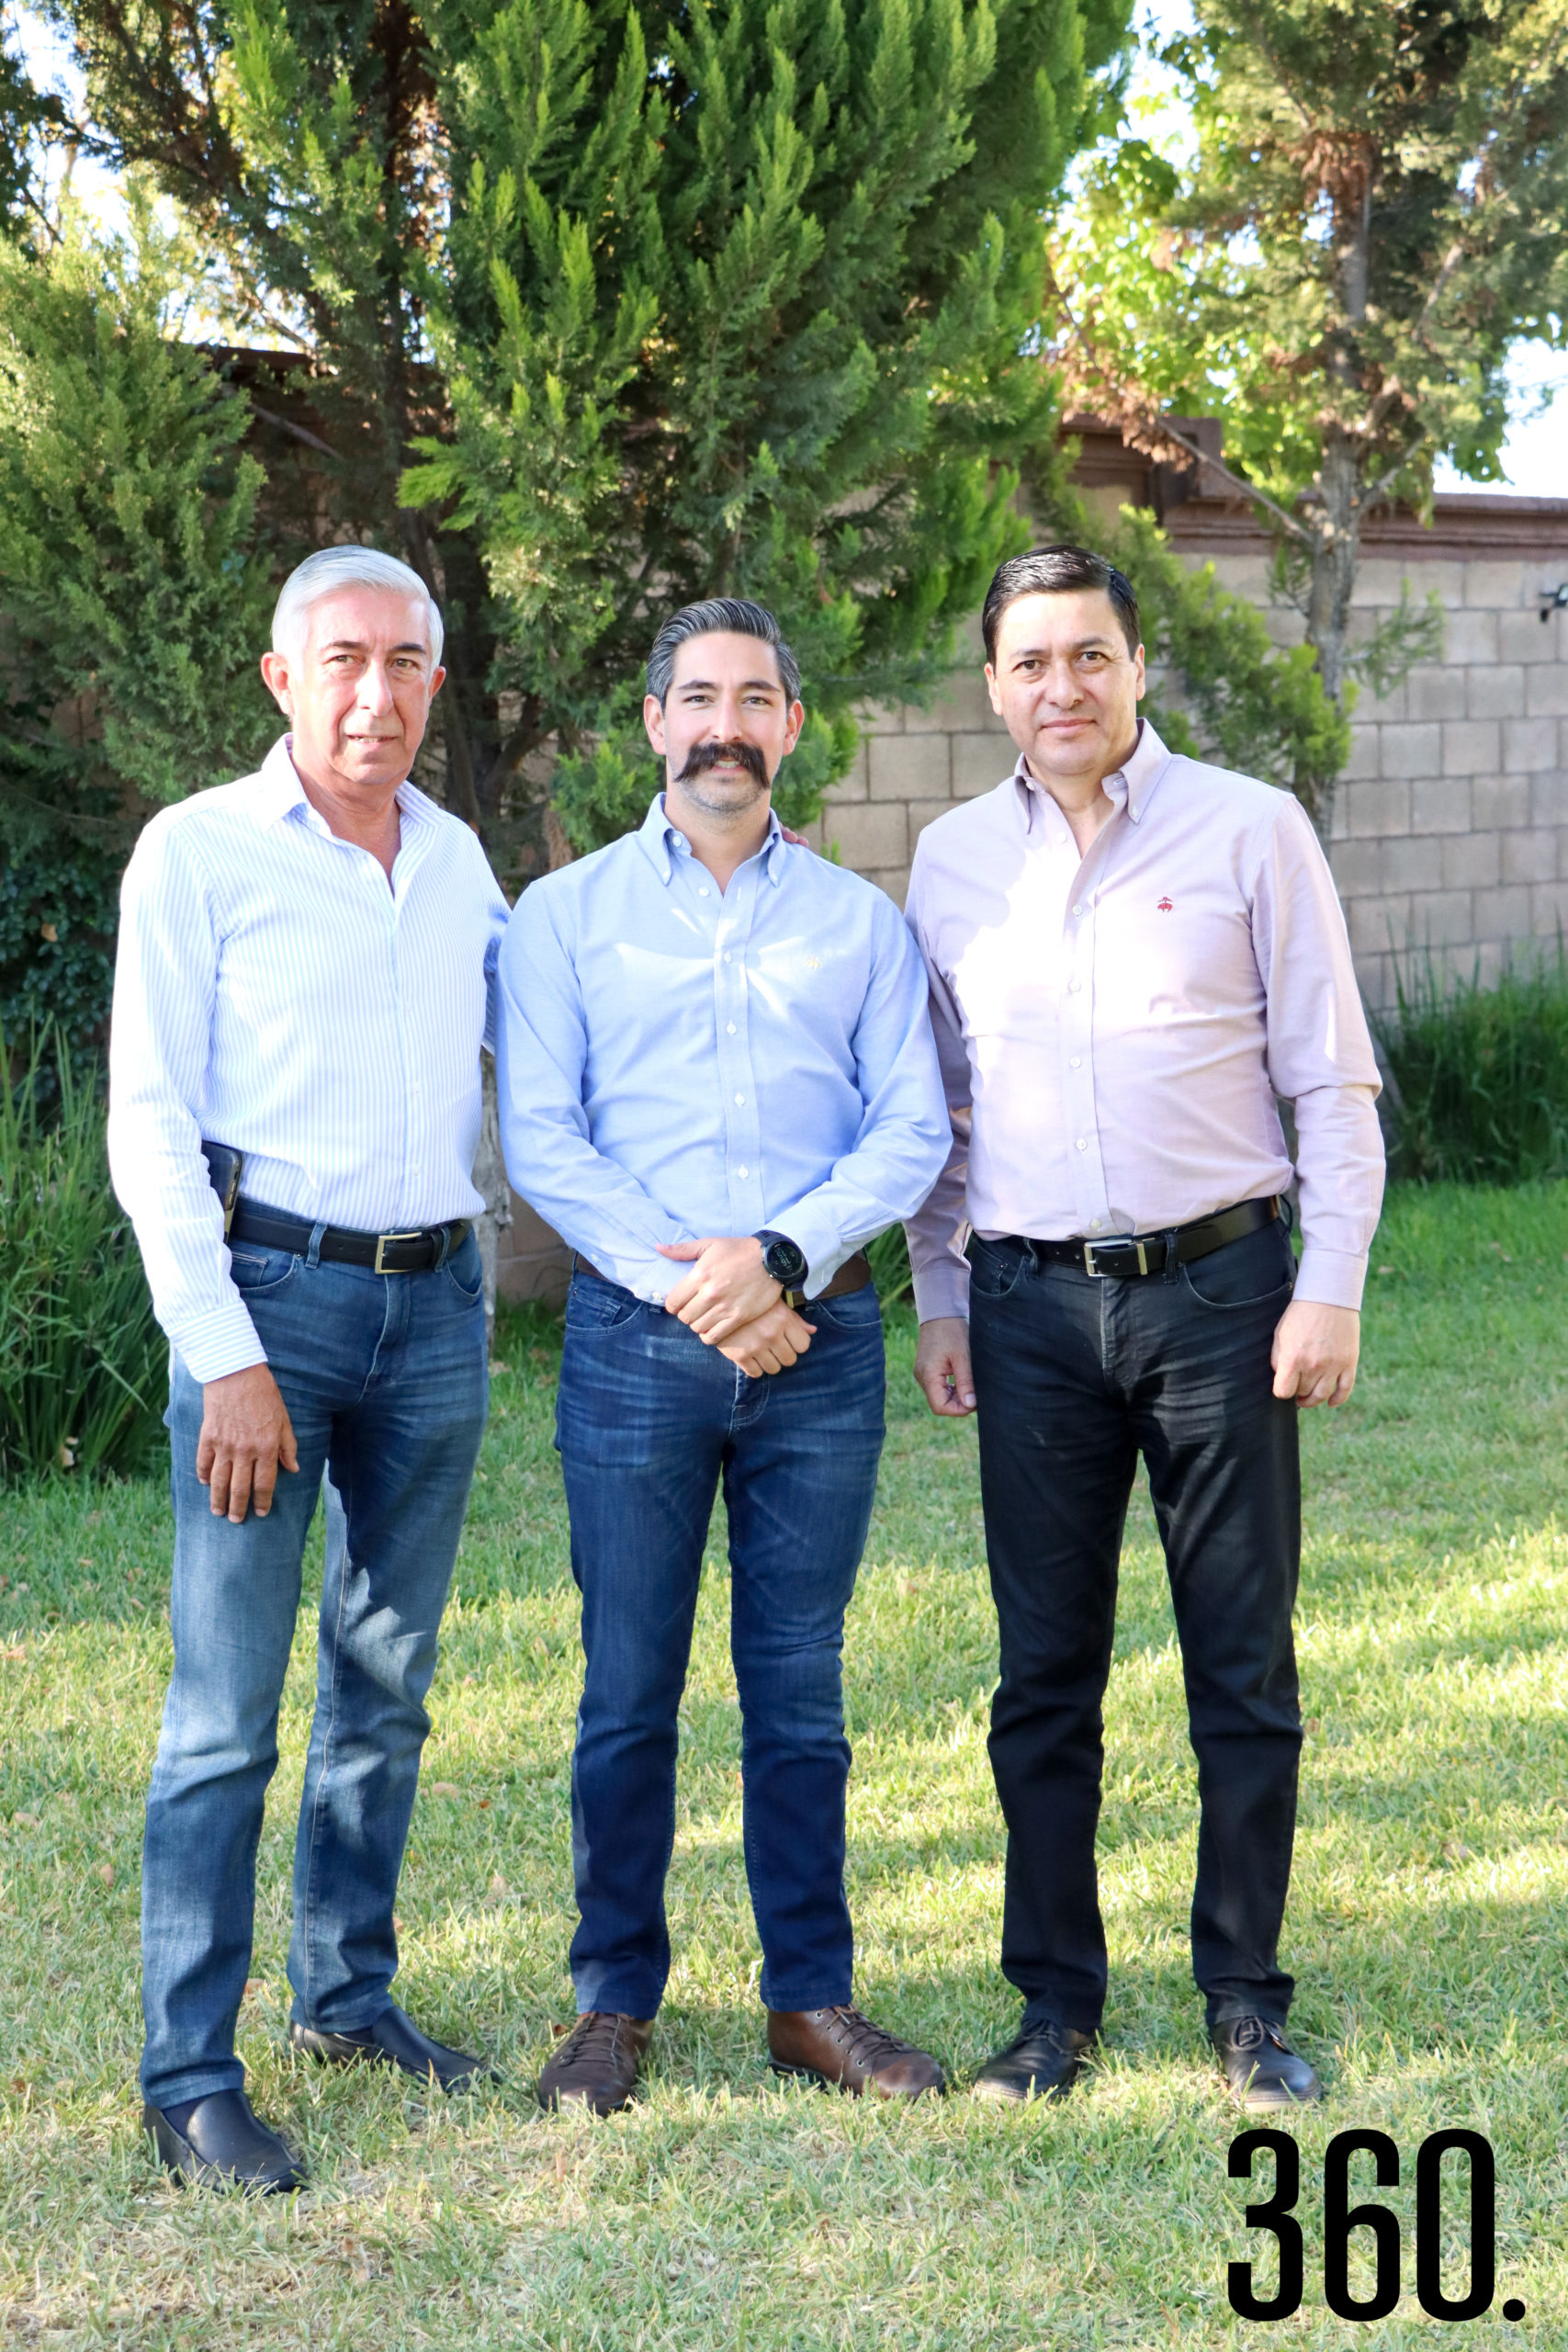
(785, 1260)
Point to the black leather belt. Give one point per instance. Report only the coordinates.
(385, 1253)
(1123, 1257)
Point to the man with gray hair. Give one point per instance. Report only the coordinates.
(305, 978)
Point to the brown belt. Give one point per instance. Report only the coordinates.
(853, 1274)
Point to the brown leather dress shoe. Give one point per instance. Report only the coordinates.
(597, 2063)
(840, 2047)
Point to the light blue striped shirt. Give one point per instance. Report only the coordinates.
(675, 1062)
(272, 992)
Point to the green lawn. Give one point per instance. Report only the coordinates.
(1427, 1926)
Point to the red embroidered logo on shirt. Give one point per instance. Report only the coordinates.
(1166, 906)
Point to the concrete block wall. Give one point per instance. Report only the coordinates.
(1451, 821)
(911, 765)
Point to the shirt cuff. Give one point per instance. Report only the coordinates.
(943, 1289)
(1330, 1277)
(212, 1346)
(820, 1243)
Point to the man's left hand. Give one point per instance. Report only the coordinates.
(727, 1287)
(1315, 1354)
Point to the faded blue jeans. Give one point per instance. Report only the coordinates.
(648, 1423)
(385, 1379)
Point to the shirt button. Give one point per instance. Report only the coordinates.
(702, 889)
(729, 1028)
(744, 1172)
(726, 955)
(740, 1098)
(1094, 1224)
(1078, 910)
(1083, 1145)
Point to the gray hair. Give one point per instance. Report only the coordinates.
(731, 616)
(349, 567)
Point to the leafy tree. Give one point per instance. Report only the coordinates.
(662, 299)
(28, 116)
(739, 299)
(133, 592)
(658, 300)
(1374, 209)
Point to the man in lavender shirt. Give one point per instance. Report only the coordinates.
(1131, 955)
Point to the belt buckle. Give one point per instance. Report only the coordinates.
(381, 1241)
(1122, 1242)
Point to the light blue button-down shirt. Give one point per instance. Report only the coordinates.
(272, 992)
(675, 1062)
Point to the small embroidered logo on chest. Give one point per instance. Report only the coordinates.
(1166, 906)
(814, 963)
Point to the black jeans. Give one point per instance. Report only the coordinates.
(1075, 1377)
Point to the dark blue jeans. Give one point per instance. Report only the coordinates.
(649, 1421)
(385, 1380)
(1075, 1378)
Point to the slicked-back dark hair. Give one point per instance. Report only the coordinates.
(734, 615)
(1056, 571)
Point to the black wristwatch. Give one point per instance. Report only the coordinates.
(785, 1259)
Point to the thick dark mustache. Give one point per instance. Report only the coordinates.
(708, 755)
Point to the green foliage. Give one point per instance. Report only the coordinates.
(82, 1361)
(738, 302)
(1373, 208)
(27, 117)
(890, 1269)
(1481, 1074)
(1222, 688)
(133, 592)
(58, 914)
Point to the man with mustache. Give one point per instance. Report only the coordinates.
(305, 976)
(717, 1082)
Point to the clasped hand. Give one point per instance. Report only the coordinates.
(733, 1304)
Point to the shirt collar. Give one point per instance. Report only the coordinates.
(1130, 786)
(279, 793)
(657, 838)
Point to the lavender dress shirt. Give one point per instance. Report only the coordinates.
(1113, 1029)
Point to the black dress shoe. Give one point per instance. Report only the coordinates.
(223, 2145)
(393, 2040)
(1043, 2062)
(1261, 2068)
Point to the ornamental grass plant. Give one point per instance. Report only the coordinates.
(1479, 1073)
(82, 1361)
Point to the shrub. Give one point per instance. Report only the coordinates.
(890, 1256)
(82, 1361)
(1481, 1074)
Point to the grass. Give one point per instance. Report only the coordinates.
(1426, 1925)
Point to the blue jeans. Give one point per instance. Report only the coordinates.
(648, 1421)
(1075, 1377)
(385, 1379)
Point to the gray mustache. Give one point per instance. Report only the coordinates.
(708, 755)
